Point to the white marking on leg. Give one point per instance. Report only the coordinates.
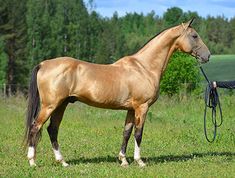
(137, 155)
(31, 152)
(121, 154)
(137, 151)
(31, 156)
(58, 155)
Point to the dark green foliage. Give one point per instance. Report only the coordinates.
(182, 71)
(32, 31)
(13, 32)
(173, 16)
(3, 63)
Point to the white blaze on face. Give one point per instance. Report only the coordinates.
(137, 151)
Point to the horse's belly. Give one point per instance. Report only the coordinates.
(108, 104)
(108, 97)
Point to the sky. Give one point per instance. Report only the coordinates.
(204, 8)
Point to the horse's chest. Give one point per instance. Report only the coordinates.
(146, 91)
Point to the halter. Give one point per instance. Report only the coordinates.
(195, 51)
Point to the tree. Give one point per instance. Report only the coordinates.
(34, 43)
(95, 30)
(232, 31)
(3, 62)
(13, 30)
(181, 69)
(77, 25)
(173, 16)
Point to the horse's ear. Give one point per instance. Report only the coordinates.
(189, 23)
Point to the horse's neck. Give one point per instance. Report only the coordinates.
(155, 55)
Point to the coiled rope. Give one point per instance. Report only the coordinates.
(211, 102)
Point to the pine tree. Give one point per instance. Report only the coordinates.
(13, 30)
(95, 29)
(39, 31)
(77, 25)
(3, 63)
(173, 16)
(58, 30)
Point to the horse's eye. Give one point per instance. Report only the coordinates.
(195, 36)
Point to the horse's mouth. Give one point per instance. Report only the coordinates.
(200, 59)
(203, 61)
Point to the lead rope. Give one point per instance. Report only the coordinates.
(211, 101)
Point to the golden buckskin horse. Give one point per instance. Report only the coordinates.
(131, 83)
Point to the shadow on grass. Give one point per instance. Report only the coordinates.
(186, 157)
(104, 159)
(156, 160)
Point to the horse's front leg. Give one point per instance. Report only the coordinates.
(140, 115)
(126, 135)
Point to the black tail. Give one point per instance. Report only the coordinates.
(33, 105)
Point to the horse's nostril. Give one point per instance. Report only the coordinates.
(209, 56)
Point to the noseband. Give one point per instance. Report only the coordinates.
(195, 51)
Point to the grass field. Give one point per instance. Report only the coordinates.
(173, 142)
(221, 67)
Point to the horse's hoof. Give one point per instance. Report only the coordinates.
(124, 164)
(140, 163)
(64, 164)
(122, 158)
(32, 163)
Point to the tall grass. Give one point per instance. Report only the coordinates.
(90, 138)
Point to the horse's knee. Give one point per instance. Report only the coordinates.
(127, 130)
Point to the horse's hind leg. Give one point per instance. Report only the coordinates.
(35, 134)
(126, 135)
(53, 128)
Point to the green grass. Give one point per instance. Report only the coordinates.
(90, 138)
(221, 68)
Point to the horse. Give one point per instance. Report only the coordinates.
(131, 83)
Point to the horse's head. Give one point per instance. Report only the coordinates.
(190, 42)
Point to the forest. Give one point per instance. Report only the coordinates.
(32, 31)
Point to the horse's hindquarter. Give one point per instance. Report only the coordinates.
(54, 79)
